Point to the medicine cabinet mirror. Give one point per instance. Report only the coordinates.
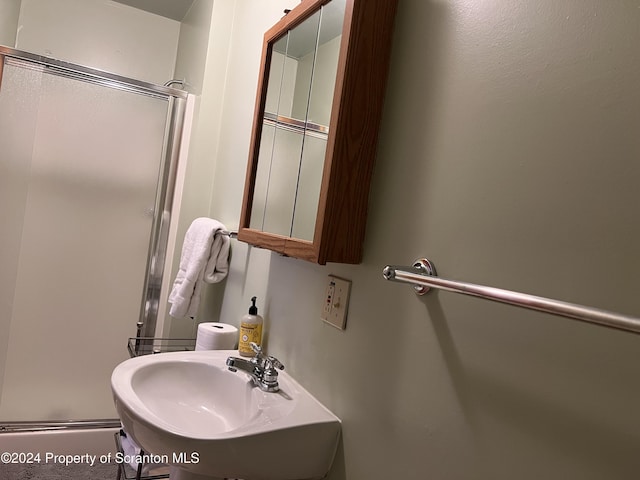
(318, 108)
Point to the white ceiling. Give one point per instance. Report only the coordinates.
(174, 9)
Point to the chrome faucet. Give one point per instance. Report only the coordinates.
(262, 368)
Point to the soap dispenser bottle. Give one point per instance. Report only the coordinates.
(250, 330)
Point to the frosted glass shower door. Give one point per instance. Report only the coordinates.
(79, 170)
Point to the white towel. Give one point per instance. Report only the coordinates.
(205, 258)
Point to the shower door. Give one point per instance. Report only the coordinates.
(82, 171)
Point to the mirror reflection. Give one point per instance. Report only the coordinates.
(295, 124)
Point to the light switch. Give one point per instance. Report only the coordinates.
(336, 302)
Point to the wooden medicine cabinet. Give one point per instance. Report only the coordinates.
(318, 107)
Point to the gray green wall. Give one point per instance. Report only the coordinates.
(509, 155)
(9, 13)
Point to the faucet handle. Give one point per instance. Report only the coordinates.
(275, 362)
(268, 361)
(256, 348)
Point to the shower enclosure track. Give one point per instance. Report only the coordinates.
(92, 75)
(23, 427)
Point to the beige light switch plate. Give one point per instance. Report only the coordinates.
(336, 302)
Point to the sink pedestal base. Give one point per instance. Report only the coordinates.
(176, 473)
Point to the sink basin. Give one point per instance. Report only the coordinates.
(209, 422)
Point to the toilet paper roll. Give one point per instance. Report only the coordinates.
(216, 336)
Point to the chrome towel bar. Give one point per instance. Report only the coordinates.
(422, 274)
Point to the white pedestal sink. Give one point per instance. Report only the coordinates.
(208, 422)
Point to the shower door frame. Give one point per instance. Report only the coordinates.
(177, 101)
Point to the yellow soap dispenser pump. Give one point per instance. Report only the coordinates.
(250, 330)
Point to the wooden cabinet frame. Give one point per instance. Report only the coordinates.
(353, 133)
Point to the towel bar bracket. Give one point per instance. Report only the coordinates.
(422, 266)
(425, 267)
